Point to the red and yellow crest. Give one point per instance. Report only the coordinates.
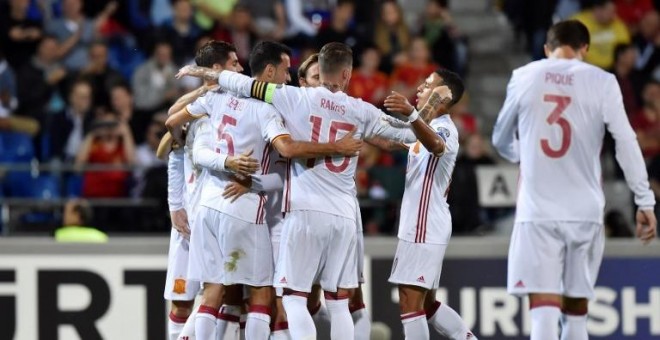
(179, 286)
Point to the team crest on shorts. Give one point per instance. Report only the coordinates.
(179, 286)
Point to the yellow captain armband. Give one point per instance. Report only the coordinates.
(263, 91)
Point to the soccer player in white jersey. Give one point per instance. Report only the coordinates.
(318, 240)
(231, 240)
(425, 223)
(552, 123)
(183, 193)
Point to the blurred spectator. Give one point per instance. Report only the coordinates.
(269, 17)
(67, 128)
(40, 82)
(76, 223)
(630, 80)
(153, 82)
(108, 143)
(391, 34)
(100, 75)
(414, 70)
(340, 28)
(299, 25)
(8, 100)
(209, 11)
(121, 100)
(367, 82)
(465, 121)
(18, 33)
(463, 199)
(239, 32)
(443, 37)
(632, 11)
(567, 8)
(616, 225)
(74, 33)
(647, 122)
(160, 12)
(145, 153)
(308, 72)
(648, 44)
(181, 31)
(654, 179)
(606, 32)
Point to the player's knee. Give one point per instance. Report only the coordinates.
(314, 298)
(575, 306)
(261, 296)
(182, 309)
(544, 300)
(233, 295)
(212, 295)
(411, 299)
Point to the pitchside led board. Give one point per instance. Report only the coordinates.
(114, 291)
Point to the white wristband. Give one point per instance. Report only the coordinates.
(413, 116)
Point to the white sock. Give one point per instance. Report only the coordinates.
(301, 325)
(242, 324)
(545, 322)
(205, 321)
(257, 325)
(227, 326)
(281, 331)
(321, 319)
(189, 328)
(341, 322)
(362, 323)
(174, 326)
(574, 327)
(415, 326)
(447, 322)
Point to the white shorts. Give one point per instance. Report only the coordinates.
(418, 264)
(360, 248)
(177, 285)
(555, 257)
(317, 247)
(228, 251)
(275, 236)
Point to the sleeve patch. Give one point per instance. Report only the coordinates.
(443, 133)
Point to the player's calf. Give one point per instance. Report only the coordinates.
(206, 318)
(301, 325)
(360, 315)
(545, 310)
(179, 314)
(258, 320)
(413, 316)
(445, 320)
(341, 322)
(574, 318)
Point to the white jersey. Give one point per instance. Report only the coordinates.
(274, 204)
(315, 114)
(560, 109)
(425, 216)
(183, 175)
(238, 125)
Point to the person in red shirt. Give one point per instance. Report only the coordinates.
(413, 70)
(647, 122)
(632, 11)
(108, 143)
(367, 82)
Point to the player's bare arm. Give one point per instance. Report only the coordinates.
(198, 72)
(386, 144)
(190, 97)
(346, 146)
(424, 133)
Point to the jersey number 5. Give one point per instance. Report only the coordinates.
(561, 103)
(335, 127)
(222, 135)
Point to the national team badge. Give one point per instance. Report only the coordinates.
(179, 286)
(443, 133)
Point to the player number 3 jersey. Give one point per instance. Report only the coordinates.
(425, 216)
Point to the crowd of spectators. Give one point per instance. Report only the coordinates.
(89, 81)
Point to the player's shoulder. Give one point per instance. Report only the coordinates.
(445, 127)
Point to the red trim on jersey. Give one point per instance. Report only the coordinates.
(412, 315)
(259, 309)
(265, 166)
(422, 212)
(287, 187)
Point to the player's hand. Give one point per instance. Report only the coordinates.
(239, 186)
(242, 164)
(444, 92)
(349, 146)
(180, 222)
(188, 70)
(646, 226)
(398, 103)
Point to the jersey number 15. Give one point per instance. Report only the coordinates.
(335, 127)
(561, 103)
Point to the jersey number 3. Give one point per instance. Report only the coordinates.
(335, 127)
(561, 103)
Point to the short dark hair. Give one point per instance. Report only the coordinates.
(570, 33)
(84, 211)
(304, 67)
(454, 82)
(620, 49)
(334, 56)
(213, 52)
(267, 53)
